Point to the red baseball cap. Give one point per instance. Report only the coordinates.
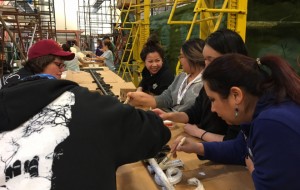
(48, 47)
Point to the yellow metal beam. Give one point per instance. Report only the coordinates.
(209, 17)
(139, 33)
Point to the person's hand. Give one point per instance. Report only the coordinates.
(249, 164)
(188, 146)
(162, 114)
(131, 96)
(159, 112)
(192, 130)
(141, 99)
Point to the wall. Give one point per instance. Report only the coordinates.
(71, 14)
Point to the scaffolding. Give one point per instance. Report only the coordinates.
(96, 18)
(134, 30)
(22, 24)
(209, 17)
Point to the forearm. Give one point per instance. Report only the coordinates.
(100, 58)
(228, 152)
(179, 117)
(83, 61)
(202, 134)
(141, 99)
(149, 102)
(97, 58)
(199, 150)
(209, 137)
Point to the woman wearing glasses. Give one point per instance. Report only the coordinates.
(44, 57)
(181, 94)
(200, 121)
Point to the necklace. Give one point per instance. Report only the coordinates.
(182, 90)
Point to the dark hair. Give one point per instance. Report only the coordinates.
(75, 42)
(37, 65)
(269, 74)
(152, 45)
(106, 38)
(192, 50)
(109, 45)
(226, 41)
(66, 47)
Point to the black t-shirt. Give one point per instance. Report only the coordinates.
(156, 84)
(201, 115)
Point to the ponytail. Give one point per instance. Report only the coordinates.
(269, 74)
(282, 80)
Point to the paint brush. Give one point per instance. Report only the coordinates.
(171, 153)
(127, 100)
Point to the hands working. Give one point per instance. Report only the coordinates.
(162, 114)
(189, 146)
(141, 99)
(193, 130)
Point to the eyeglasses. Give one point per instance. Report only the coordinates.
(180, 56)
(59, 64)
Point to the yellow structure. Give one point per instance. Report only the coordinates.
(209, 18)
(136, 25)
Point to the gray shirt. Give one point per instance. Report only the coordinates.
(109, 60)
(168, 99)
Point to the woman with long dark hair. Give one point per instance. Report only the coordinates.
(263, 96)
(181, 94)
(200, 121)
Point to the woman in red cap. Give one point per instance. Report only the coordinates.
(45, 56)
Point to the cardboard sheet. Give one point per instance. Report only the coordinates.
(110, 77)
(135, 176)
(86, 80)
(214, 176)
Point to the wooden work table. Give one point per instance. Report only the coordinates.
(214, 176)
(118, 86)
(135, 176)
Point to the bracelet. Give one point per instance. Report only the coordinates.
(203, 135)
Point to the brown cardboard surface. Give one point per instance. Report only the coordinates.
(117, 88)
(116, 82)
(86, 80)
(110, 77)
(80, 77)
(127, 87)
(213, 176)
(94, 66)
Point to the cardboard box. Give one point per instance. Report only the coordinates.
(126, 87)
